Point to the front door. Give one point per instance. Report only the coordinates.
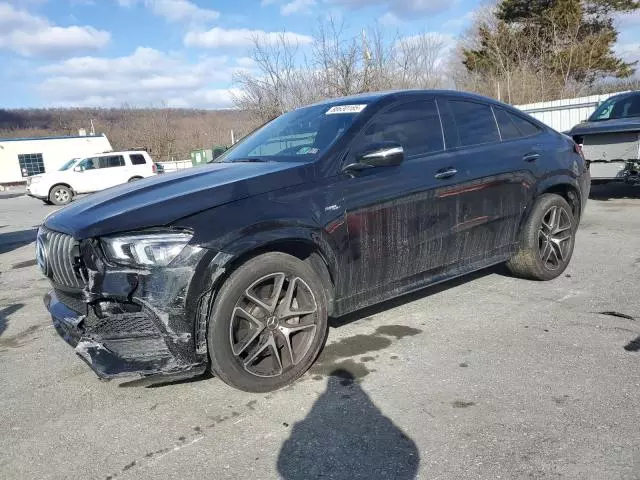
(398, 227)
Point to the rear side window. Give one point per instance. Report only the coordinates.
(415, 126)
(525, 126)
(137, 159)
(112, 161)
(508, 129)
(475, 123)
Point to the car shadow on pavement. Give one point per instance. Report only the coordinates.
(345, 436)
(5, 313)
(613, 191)
(633, 345)
(338, 322)
(10, 241)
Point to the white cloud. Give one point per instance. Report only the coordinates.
(30, 35)
(146, 77)
(297, 6)
(390, 19)
(175, 10)
(242, 37)
(401, 7)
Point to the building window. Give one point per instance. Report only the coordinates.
(31, 164)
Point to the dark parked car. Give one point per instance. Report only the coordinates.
(236, 266)
(610, 139)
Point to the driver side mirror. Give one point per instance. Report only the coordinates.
(78, 168)
(387, 154)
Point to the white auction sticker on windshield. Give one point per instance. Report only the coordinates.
(346, 109)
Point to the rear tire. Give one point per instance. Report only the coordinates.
(546, 240)
(268, 323)
(60, 195)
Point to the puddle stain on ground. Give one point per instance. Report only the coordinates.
(617, 315)
(22, 338)
(462, 404)
(338, 355)
(633, 345)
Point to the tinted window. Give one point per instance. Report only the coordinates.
(508, 129)
(475, 122)
(31, 164)
(90, 163)
(415, 126)
(616, 107)
(525, 126)
(112, 161)
(137, 159)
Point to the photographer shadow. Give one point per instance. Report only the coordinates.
(345, 436)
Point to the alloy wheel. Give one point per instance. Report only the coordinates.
(554, 238)
(273, 324)
(61, 195)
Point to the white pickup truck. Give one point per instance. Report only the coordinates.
(91, 174)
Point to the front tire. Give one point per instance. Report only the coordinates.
(60, 195)
(268, 323)
(546, 241)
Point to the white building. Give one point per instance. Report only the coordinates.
(22, 157)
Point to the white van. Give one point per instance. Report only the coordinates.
(91, 174)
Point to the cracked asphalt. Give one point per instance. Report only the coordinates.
(486, 377)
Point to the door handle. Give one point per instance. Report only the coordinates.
(446, 173)
(531, 157)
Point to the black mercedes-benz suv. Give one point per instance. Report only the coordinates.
(236, 266)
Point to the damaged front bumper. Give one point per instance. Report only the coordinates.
(147, 322)
(113, 352)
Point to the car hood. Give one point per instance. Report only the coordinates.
(161, 200)
(607, 126)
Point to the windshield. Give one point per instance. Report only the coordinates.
(300, 135)
(614, 108)
(69, 164)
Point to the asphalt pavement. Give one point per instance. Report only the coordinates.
(487, 377)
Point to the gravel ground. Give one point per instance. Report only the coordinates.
(485, 377)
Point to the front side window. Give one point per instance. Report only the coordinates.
(298, 136)
(616, 108)
(90, 163)
(112, 161)
(415, 125)
(474, 122)
(31, 164)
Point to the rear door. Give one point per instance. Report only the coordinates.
(496, 182)
(113, 171)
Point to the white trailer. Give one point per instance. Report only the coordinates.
(23, 157)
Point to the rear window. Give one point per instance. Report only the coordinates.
(475, 123)
(137, 159)
(525, 126)
(508, 129)
(112, 161)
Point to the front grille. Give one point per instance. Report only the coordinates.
(120, 326)
(61, 252)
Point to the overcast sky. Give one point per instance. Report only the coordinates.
(183, 52)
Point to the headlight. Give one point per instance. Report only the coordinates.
(145, 250)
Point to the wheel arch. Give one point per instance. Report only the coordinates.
(302, 243)
(60, 184)
(570, 192)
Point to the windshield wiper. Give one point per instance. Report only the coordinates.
(250, 160)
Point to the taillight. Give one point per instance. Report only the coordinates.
(154, 168)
